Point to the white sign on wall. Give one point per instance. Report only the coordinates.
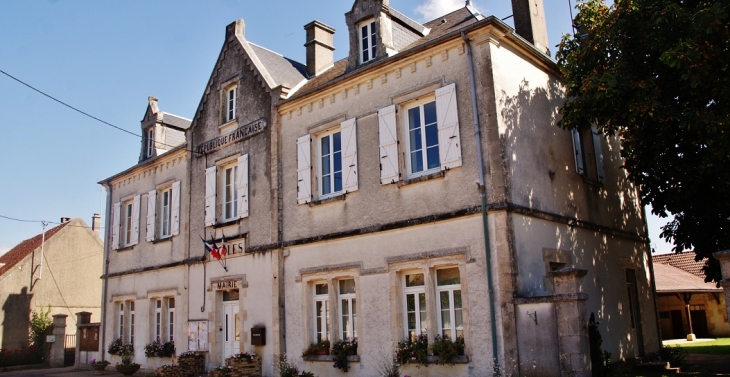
(198, 336)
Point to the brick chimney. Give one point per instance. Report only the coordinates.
(529, 17)
(320, 49)
(96, 223)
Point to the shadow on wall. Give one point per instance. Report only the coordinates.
(541, 173)
(16, 320)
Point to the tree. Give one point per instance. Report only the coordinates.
(655, 73)
(39, 324)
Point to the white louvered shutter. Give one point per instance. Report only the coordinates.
(242, 186)
(348, 132)
(448, 127)
(135, 220)
(210, 195)
(151, 207)
(388, 139)
(601, 175)
(175, 210)
(577, 151)
(304, 170)
(116, 217)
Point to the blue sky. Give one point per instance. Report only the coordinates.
(106, 58)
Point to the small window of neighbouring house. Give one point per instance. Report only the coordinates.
(150, 142)
(231, 98)
(368, 41)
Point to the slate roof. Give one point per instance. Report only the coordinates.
(439, 27)
(176, 121)
(684, 261)
(284, 71)
(21, 250)
(673, 279)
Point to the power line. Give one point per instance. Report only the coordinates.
(42, 221)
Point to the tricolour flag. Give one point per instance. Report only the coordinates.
(211, 247)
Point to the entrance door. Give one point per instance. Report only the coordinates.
(699, 321)
(231, 328)
(678, 325)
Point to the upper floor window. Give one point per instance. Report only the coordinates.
(125, 228)
(422, 141)
(226, 191)
(586, 149)
(166, 204)
(330, 169)
(231, 97)
(335, 160)
(163, 212)
(429, 127)
(368, 41)
(150, 142)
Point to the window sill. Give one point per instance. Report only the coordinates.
(461, 359)
(336, 198)
(422, 178)
(328, 358)
(226, 223)
(161, 240)
(125, 248)
(228, 124)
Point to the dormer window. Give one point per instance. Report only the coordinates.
(231, 94)
(150, 142)
(367, 41)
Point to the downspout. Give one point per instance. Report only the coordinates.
(107, 229)
(483, 194)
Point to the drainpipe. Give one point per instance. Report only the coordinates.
(107, 231)
(483, 194)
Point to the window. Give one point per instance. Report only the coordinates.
(150, 142)
(448, 291)
(330, 168)
(125, 321)
(125, 229)
(348, 309)
(429, 128)
(163, 212)
(131, 322)
(231, 95)
(336, 160)
(582, 144)
(171, 319)
(422, 141)
(230, 181)
(121, 320)
(321, 312)
(416, 317)
(368, 42)
(158, 320)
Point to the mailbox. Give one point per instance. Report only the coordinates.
(258, 336)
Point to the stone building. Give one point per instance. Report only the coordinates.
(47, 271)
(419, 186)
(147, 240)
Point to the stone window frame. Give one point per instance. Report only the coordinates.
(163, 296)
(332, 279)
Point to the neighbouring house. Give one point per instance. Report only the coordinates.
(686, 304)
(420, 186)
(147, 210)
(59, 268)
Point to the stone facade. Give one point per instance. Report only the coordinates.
(346, 201)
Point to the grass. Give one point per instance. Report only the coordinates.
(719, 346)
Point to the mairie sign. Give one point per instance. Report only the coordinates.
(239, 134)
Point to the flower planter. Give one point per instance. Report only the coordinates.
(99, 368)
(127, 370)
(241, 367)
(191, 364)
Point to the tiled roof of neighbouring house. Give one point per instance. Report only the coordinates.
(684, 261)
(672, 279)
(21, 250)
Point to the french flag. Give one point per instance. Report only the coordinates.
(211, 247)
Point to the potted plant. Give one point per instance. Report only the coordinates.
(341, 350)
(413, 351)
(99, 365)
(446, 349)
(127, 367)
(320, 348)
(158, 349)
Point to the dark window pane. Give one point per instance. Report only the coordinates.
(433, 157)
(429, 112)
(448, 276)
(414, 118)
(414, 280)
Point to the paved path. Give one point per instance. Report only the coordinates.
(62, 372)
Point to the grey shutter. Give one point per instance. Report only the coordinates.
(116, 217)
(599, 154)
(151, 209)
(448, 127)
(304, 170)
(577, 151)
(175, 210)
(388, 139)
(242, 186)
(135, 220)
(210, 195)
(348, 131)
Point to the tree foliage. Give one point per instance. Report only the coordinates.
(40, 322)
(655, 72)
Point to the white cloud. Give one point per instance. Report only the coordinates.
(431, 9)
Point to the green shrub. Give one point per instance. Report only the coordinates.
(413, 351)
(446, 349)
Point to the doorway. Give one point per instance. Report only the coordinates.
(231, 324)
